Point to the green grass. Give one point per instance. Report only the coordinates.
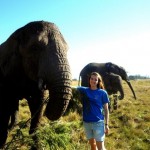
(129, 126)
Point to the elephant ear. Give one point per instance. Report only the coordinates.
(123, 74)
(112, 68)
(10, 60)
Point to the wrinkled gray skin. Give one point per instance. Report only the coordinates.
(34, 59)
(113, 84)
(112, 75)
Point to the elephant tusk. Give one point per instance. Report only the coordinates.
(128, 82)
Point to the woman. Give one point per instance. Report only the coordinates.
(95, 111)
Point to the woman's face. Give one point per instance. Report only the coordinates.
(93, 81)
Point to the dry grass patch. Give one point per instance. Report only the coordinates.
(129, 125)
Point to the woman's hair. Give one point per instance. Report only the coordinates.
(100, 81)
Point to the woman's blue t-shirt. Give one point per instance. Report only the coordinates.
(93, 101)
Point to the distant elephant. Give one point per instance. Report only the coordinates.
(113, 83)
(34, 59)
(109, 72)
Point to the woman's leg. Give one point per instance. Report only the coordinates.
(100, 145)
(92, 143)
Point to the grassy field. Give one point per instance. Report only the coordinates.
(129, 125)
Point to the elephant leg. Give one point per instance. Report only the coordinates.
(4, 116)
(14, 115)
(115, 101)
(109, 106)
(35, 105)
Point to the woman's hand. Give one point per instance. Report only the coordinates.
(106, 129)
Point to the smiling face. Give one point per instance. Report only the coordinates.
(93, 81)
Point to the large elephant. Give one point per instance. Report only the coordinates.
(111, 74)
(34, 59)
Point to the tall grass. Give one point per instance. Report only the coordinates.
(129, 125)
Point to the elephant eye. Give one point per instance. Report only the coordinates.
(36, 48)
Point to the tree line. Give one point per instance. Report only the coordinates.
(131, 77)
(134, 77)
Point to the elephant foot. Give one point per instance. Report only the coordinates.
(3, 139)
(2, 144)
(2, 147)
(36, 145)
(31, 131)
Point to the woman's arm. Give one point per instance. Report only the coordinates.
(106, 111)
(75, 92)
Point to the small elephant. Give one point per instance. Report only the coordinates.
(113, 84)
(34, 59)
(111, 74)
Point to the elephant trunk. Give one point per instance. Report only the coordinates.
(121, 96)
(58, 81)
(131, 89)
(57, 76)
(58, 102)
(60, 94)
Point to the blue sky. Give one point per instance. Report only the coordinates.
(101, 31)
